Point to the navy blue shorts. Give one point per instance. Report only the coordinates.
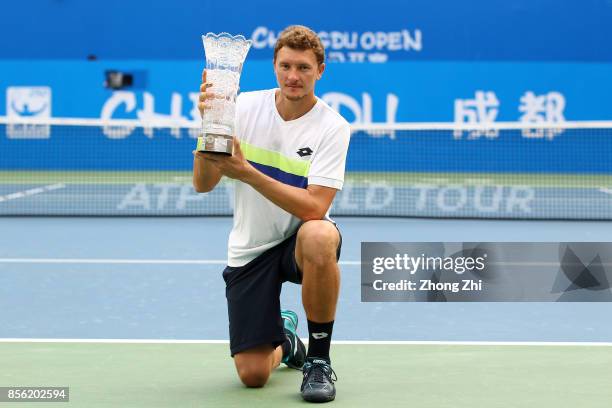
(253, 296)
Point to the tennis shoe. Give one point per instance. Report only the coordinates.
(297, 355)
(318, 383)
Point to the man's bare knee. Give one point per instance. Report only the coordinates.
(254, 376)
(317, 243)
(254, 365)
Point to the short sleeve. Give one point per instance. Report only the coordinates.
(328, 163)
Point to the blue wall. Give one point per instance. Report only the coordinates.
(472, 30)
(426, 54)
(418, 61)
(402, 91)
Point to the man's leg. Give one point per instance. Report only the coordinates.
(255, 365)
(257, 332)
(316, 257)
(315, 254)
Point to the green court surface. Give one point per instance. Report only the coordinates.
(390, 178)
(202, 375)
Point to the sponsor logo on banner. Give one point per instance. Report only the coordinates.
(361, 112)
(483, 110)
(540, 109)
(356, 111)
(126, 101)
(352, 46)
(381, 197)
(28, 102)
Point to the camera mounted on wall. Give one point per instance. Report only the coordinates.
(118, 80)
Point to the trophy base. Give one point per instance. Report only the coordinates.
(215, 143)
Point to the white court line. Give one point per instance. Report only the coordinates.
(130, 261)
(205, 262)
(336, 342)
(606, 190)
(169, 123)
(31, 192)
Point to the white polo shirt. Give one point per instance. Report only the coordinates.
(308, 150)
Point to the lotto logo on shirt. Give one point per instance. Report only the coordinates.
(305, 152)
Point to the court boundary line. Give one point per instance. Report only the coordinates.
(334, 342)
(32, 192)
(202, 261)
(130, 261)
(355, 127)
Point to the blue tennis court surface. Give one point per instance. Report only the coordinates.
(160, 278)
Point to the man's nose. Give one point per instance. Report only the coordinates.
(293, 75)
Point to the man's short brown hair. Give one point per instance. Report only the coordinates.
(300, 38)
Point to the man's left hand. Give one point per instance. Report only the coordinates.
(235, 166)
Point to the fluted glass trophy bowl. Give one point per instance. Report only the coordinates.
(225, 55)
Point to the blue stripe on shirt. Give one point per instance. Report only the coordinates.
(277, 174)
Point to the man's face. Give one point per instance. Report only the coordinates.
(297, 72)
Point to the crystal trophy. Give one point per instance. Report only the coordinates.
(225, 55)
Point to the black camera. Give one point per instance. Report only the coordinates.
(118, 80)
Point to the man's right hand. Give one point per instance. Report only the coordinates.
(205, 97)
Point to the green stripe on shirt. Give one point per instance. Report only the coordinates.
(275, 159)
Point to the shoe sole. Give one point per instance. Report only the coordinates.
(318, 398)
(293, 366)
